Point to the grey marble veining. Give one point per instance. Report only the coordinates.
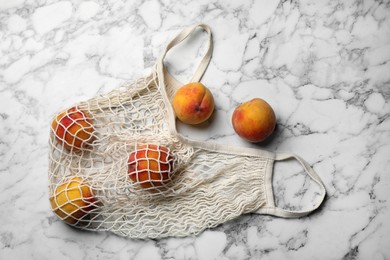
(322, 65)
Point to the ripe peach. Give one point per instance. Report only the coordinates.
(150, 165)
(254, 120)
(73, 129)
(72, 200)
(193, 103)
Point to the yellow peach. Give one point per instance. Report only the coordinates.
(73, 129)
(73, 200)
(254, 120)
(193, 103)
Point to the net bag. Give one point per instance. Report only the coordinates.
(117, 163)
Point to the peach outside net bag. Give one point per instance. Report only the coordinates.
(117, 163)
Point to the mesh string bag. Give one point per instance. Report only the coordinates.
(117, 163)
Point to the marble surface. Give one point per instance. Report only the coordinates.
(323, 66)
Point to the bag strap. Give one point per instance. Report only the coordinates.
(276, 211)
(206, 58)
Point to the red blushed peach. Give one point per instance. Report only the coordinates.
(150, 165)
(73, 129)
(254, 120)
(193, 103)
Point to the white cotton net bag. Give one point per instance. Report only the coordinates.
(117, 163)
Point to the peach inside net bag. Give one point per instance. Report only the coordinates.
(103, 180)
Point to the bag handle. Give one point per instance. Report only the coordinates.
(276, 211)
(206, 58)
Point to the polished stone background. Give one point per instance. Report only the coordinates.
(323, 65)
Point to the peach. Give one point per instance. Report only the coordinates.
(254, 120)
(73, 200)
(73, 129)
(150, 165)
(193, 103)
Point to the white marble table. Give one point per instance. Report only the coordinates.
(323, 65)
